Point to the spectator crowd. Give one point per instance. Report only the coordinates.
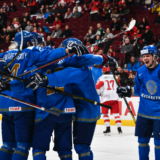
(90, 21)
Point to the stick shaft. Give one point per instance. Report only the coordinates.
(58, 91)
(45, 65)
(104, 40)
(125, 100)
(29, 104)
(19, 51)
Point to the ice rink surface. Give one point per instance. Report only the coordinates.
(112, 147)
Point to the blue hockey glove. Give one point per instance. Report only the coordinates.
(124, 91)
(111, 62)
(35, 80)
(77, 48)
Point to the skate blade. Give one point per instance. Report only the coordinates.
(120, 133)
(107, 134)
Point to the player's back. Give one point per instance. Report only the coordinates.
(86, 112)
(106, 87)
(28, 57)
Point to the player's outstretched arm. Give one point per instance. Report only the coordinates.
(86, 60)
(60, 79)
(66, 76)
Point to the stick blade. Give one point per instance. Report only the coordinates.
(131, 25)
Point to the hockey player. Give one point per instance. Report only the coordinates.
(59, 103)
(82, 85)
(106, 88)
(86, 114)
(147, 87)
(18, 119)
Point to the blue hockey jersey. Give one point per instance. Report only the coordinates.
(55, 101)
(83, 85)
(147, 86)
(28, 57)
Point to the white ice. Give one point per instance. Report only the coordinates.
(112, 147)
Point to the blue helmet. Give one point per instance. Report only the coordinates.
(27, 36)
(151, 49)
(38, 38)
(66, 41)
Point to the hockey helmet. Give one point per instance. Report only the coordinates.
(151, 49)
(27, 36)
(38, 38)
(66, 41)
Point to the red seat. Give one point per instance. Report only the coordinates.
(155, 31)
(155, 38)
(51, 29)
(155, 26)
(120, 56)
(1, 46)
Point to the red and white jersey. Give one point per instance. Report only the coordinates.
(106, 87)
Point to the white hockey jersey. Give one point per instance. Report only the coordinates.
(106, 87)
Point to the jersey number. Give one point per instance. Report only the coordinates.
(15, 68)
(49, 92)
(111, 82)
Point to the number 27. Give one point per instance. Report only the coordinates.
(110, 82)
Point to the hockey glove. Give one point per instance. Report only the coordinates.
(111, 62)
(4, 86)
(35, 80)
(77, 48)
(124, 91)
(3, 63)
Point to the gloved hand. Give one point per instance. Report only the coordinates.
(4, 86)
(77, 48)
(111, 62)
(3, 63)
(35, 80)
(124, 91)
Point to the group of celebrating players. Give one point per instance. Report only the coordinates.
(24, 127)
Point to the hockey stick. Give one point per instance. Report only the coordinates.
(131, 25)
(58, 91)
(18, 53)
(30, 104)
(125, 100)
(107, 45)
(43, 66)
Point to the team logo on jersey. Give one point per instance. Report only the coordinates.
(70, 110)
(151, 87)
(14, 108)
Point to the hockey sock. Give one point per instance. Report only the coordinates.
(21, 151)
(39, 154)
(117, 120)
(65, 155)
(157, 148)
(84, 152)
(143, 148)
(106, 120)
(7, 150)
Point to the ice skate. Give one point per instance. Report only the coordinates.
(119, 130)
(107, 132)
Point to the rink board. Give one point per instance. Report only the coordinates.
(124, 113)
